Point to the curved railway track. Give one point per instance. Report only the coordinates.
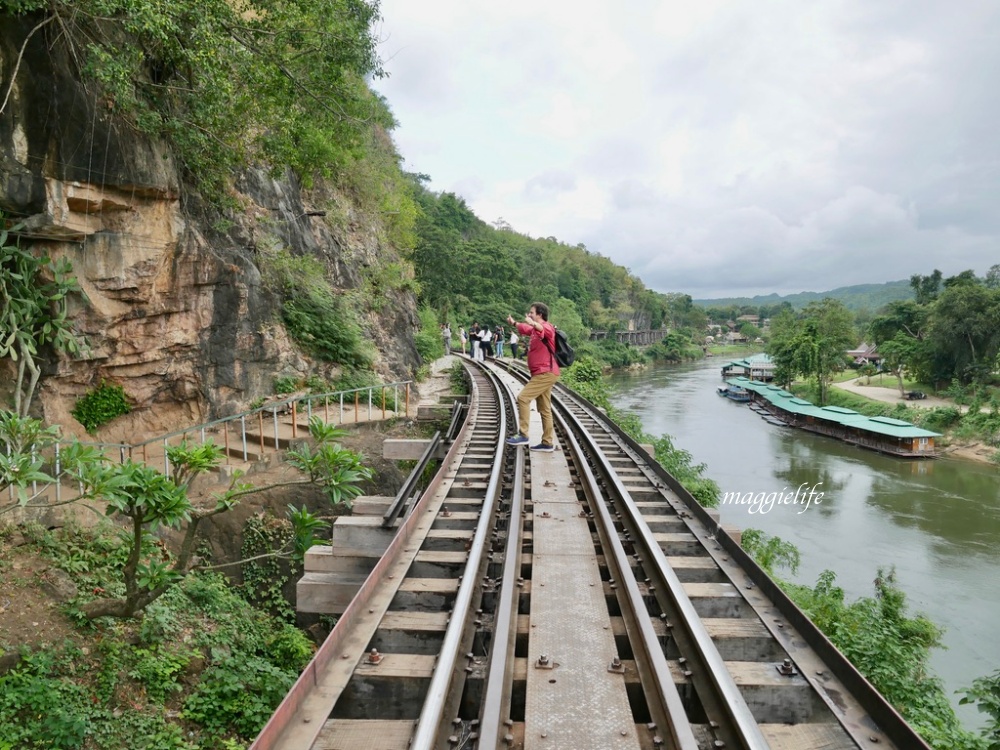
(575, 599)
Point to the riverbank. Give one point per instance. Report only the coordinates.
(965, 450)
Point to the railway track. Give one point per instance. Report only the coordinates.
(575, 599)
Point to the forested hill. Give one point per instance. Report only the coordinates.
(858, 297)
(222, 172)
(469, 270)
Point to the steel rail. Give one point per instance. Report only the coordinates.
(496, 696)
(410, 485)
(431, 714)
(739, 713)
(301, 706)
(677, 722)
(888, 722)
(456, 421)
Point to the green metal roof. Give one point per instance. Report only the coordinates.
(838, 410)
(838, 414)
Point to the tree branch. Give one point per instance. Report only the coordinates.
(20, 56)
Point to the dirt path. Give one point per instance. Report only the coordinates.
(889, 394)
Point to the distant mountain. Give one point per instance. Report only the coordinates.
(857, 297)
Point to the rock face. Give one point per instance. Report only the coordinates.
(175, 308)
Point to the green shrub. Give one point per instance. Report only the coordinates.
(286, 384)
(428, 339)
(238, 694)
(321, 321)
(100, 406)
(941, 418)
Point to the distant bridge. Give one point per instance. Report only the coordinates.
(636, 338)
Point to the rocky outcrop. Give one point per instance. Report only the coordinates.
(174, 307)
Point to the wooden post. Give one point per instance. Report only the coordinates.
(357, 406)
(295, 419)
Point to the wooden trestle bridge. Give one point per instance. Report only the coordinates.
(634, 338)
(569, 600)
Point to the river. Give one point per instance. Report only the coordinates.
(937, 521)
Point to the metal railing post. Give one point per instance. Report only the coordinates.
(58, 472)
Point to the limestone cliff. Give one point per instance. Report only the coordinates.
(175, 307)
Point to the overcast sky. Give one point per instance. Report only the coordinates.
(714, 148)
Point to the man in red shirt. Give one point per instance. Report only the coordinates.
(544, 373)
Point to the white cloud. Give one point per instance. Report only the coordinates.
(713, 148)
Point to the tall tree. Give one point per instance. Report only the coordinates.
(965, 327)
(813, 343)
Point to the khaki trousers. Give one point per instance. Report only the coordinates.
(539, 389)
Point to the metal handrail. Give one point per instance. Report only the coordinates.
(410, 485)
(126, 451)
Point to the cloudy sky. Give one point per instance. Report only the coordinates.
(714, 148)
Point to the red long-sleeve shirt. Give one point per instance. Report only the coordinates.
(540, 357)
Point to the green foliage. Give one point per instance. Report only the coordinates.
(428, 339)
(337, 470)
(286, 384)
(320, 320)
(586, 377)
(264, 573)
(197, 645)
(100, 406)
(158, 670)
(985, 694)
(289, 649)
(891, 648)
(237, 695)
(305, 527)
(458, 379)
(813, 343)
(615, 353)
(34, 313)
(940, 418)
(856, 298)
(675, 347)
(770, 552)
(231, 83)
(39, 708)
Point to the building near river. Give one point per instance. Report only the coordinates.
(754, 367)
(883, 434)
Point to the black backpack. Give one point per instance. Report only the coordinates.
(564, 353)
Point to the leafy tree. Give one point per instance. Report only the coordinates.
(146, 499)
(965, 328)
(926, 288)
(266, 81)
(867, 370)
(814, 342)
(34, 314)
